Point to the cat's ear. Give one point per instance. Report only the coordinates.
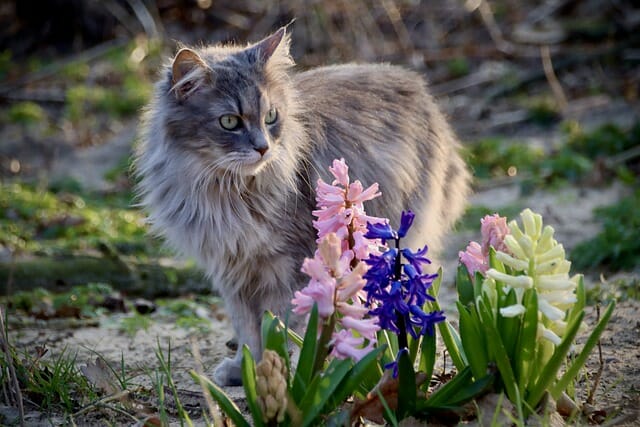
(277, 44)
(187, 72)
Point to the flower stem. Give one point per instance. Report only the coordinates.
(403, 342)
(323, 345)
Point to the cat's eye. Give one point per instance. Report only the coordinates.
(271, 117)
(230, 122)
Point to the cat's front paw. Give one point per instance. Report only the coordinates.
(228, 373)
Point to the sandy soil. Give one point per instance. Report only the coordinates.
(620, 380)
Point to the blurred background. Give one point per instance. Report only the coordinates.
(544, 96)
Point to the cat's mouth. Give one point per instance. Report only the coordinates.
(255, 162)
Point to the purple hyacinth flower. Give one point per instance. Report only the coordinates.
(380, 231)
(416, 259)
(406, 219)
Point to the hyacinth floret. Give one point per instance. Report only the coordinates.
(335, 271)
(537, 261)
(397, 291)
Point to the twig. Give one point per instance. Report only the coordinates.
(556, 87)
(596, 381)
(146, 19)
(395, 17)
(484, 9)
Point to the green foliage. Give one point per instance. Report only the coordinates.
(42, 221)
(543, 111)
(120, 102)
(621, 289)
(52, 383)
(120, 90)
(458, 67)
(527, 365)
(26, 113)
(86, 300)
(617, 246)
(492, 157)
(572, 161)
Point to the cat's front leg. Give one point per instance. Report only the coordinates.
(246, 324)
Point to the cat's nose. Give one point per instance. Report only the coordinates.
(262, 149)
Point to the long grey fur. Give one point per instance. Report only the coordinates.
(246, 217)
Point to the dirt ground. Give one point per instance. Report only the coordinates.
(475, 108)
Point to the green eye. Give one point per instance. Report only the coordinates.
(271, 117)
(230, 122)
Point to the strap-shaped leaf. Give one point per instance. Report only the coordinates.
(427, 357)
(274, 336)
(464, 285)
(228, 407)
(473, 340)
(550, 370)
(354, 378)
(304, 371)
(580, 360)
(406, 386)
(249, 384)
(321, 389)
(527, 340)
(499, 353)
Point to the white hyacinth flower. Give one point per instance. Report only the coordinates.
(538, 261)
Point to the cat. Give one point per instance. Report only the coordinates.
(234, 141)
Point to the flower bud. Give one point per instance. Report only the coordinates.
(271, 386)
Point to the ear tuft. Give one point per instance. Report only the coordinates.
(187, 70)
(267, 47)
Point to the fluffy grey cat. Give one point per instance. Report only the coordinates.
(235, 140)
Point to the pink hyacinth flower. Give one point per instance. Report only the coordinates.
(494, 229)
(315, 292)
(340, 170)
(473, 259)
(346, 345)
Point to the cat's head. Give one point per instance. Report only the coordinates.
(230, 105)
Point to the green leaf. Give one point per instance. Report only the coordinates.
(527, 340)
(274, 336)
(441, 397)
(473, 340)
(226, 404)
(354, 377)
(294, 337)
(321, 389)
(581, 298)
(427, 357)
(494, 262)
(249, 384)
(449, 337)
(510, 326)
(406, 386)
(580, 360)
(499, 353)
(550, 370)
(435, 285)
(464, 285)
(304, 371)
